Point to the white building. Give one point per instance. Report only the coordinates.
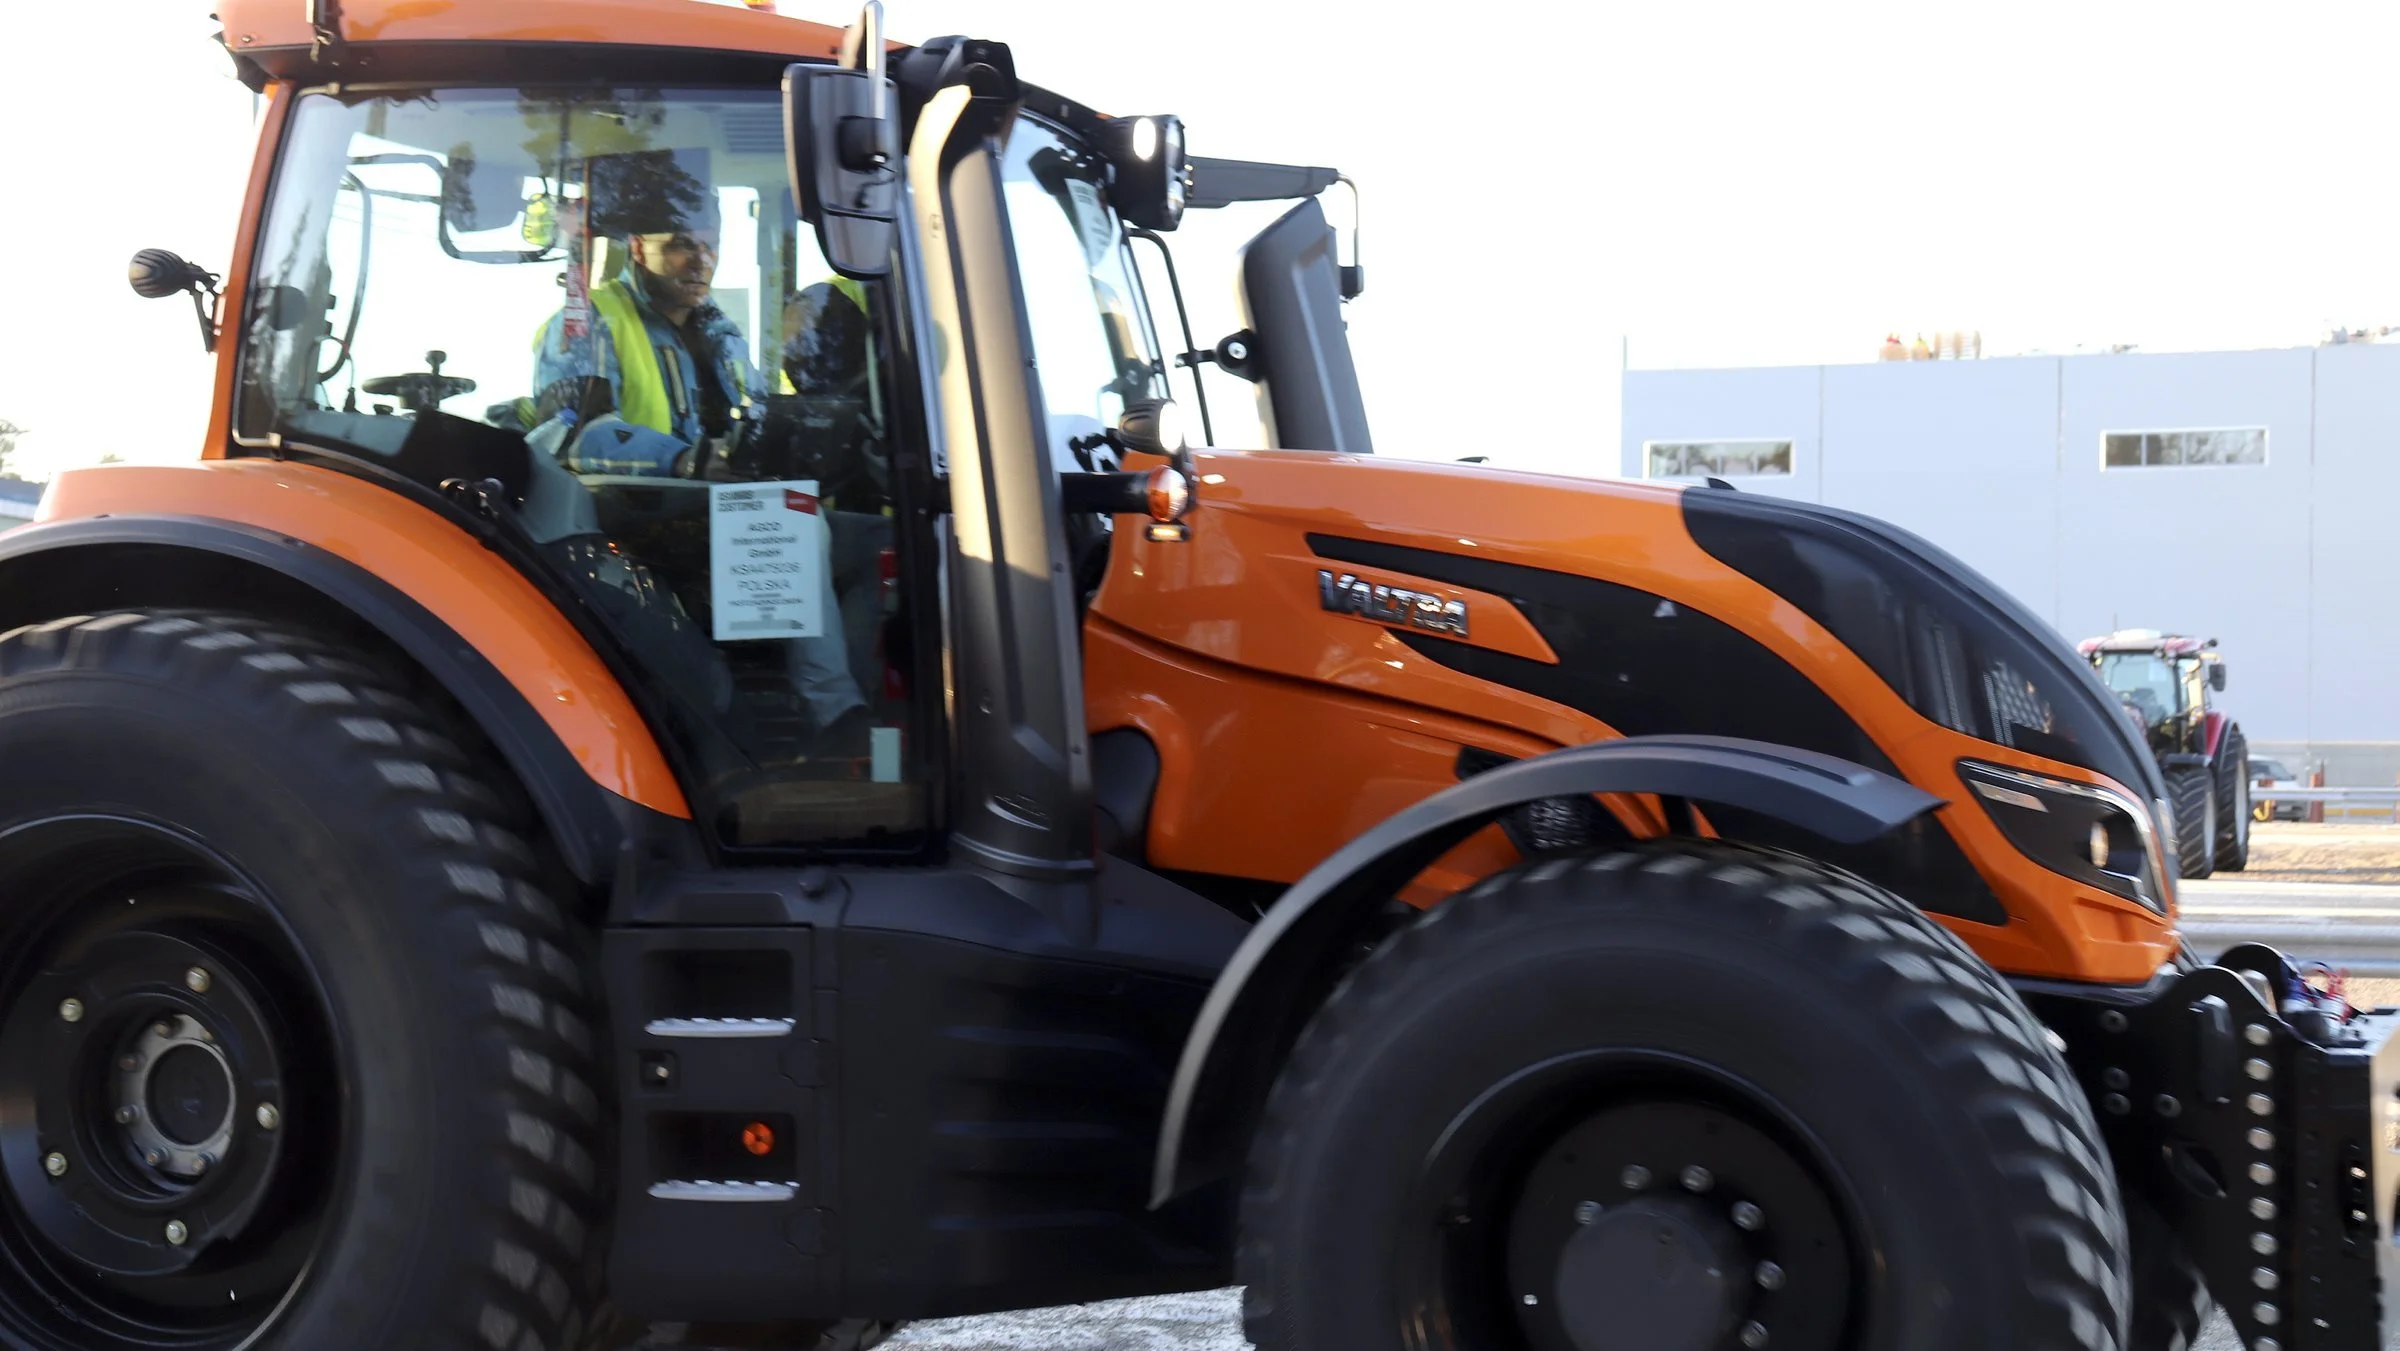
(2249, 496)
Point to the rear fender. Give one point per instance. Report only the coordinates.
(564, 726)
(1292, 958)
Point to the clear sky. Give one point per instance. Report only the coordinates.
(1549, 186)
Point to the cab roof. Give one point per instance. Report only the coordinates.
(2149, 640)
(260, 26)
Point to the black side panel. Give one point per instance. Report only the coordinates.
(117, 561)
(1960, 650)
(964, 1102)
(1649, 667)
(1124, 776)
(1002, 1096)
(1292, 299)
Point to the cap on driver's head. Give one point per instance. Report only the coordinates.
(653, 192)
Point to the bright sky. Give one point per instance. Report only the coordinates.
(1549, 186)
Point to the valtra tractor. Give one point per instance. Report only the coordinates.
(698, 746)
(2165, 681)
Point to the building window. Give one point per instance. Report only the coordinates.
(1717, 459)
(2192, 446)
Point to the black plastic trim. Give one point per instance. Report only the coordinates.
(1752, 535)
(1647, 666)
(1254, 1012)
(588, 823)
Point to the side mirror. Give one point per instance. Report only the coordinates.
(156, 274)
(2216, 676)
(841, 146)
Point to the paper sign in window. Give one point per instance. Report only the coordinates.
(767, 560)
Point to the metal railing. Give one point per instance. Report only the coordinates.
(2342, 797)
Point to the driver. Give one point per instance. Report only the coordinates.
(674, 363)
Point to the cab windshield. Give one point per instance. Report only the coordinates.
(602, 300)
(2145, 680)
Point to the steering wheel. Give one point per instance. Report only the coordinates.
(421, 390)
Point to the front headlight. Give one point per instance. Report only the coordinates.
(2098, 836)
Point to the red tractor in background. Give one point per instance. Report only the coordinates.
(2164, 680)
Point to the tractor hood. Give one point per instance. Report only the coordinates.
(1574, 607)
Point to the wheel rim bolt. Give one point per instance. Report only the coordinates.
(1697, 1179)
(129, 1063)
(1586, 1211)
(1770, 1276)
(127, 1115)
(154, 1158)
(268, 1117)
(200, 1165)
(196, 980)
(55, 1165)
(2261, 1207)
(2258, 1034)
(71, 1010)
(1748, 1216)
(162, 1028)
(2261, 1138)
(176, 1233)
(1754, 1335)
(1635, 1177)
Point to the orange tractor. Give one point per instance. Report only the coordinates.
(700, 746)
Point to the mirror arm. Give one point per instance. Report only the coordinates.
(1191, 356)
(208, 310)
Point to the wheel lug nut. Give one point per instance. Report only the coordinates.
(153, 1158)
(1697, 1179)
(200, 1165)
(1747, 1216)
(176, 1233)
(1754, 1335)
(1769, 1276)
(268, 1118)
(128, 1114)
(55, 1165)
(1635, 1177)
(162, 1028)
(1586, 1211)
(71, 1010)
(129, 1063)
(196, 980)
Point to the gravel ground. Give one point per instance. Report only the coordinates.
(2281, 852)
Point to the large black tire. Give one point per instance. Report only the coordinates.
(1956, 1144)
(456, 1187)
(2193, 794)
(2170, 1297)
(2232, 779)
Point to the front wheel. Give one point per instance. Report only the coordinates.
(294, 1051)
(2193, 794)
(1679, 1097)
(2232, 840)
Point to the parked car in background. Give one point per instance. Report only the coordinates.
(2267, 775)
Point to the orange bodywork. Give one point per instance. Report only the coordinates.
(491, 606)
(1285, 730)
(252, 25)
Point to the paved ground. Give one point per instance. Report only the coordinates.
(2297, 868)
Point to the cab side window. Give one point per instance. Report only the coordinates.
(605, 301)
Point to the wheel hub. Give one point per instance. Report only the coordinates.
(1677, 1226)
(173, 1094)
(1658, 1274)
(144, 1146)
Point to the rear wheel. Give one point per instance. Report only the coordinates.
(296, 1052)
(1681, 1097)
(2193, 793)
(2232, 840)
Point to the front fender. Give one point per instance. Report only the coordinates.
(1267, 992)
(211, 534)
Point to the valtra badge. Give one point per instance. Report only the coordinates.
(1345, 593)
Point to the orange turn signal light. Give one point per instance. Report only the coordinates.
(1169, 493)
(759, 1138)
